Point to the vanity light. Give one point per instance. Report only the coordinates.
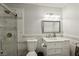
(51, 16)
(47, 15)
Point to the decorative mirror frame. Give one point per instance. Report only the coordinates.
(42, 26)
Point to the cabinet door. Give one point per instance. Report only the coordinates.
(54, 51)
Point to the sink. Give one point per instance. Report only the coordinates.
(55, 39)
(56, 46)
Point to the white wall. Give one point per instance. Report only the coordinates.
(71, 20)
(71, 24)
(33, 16)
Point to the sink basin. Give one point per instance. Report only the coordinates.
(55, 39)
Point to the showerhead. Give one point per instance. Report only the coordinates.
(7, 11)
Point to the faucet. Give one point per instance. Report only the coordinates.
(50, 35)
(54, 35)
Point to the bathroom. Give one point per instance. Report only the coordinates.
(53, 27)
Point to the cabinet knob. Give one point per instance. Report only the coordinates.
(44, 45)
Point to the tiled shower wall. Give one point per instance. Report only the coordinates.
(8, 24)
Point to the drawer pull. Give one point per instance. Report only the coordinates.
(44, 45)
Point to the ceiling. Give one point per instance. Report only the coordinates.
(59, 5)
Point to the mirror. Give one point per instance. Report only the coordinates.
(51, 27)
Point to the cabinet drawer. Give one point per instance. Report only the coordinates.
(54, 51)
(54, 45)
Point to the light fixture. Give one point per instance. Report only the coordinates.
(51, 16)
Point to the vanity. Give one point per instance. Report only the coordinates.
(57, 46)
(54, 45)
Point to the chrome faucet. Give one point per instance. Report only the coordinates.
(54, 35)
(50, 35)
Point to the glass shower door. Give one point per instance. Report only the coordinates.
(8, 34)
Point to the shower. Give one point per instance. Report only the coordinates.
(8, 30)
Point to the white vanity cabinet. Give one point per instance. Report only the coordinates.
(56, 47)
